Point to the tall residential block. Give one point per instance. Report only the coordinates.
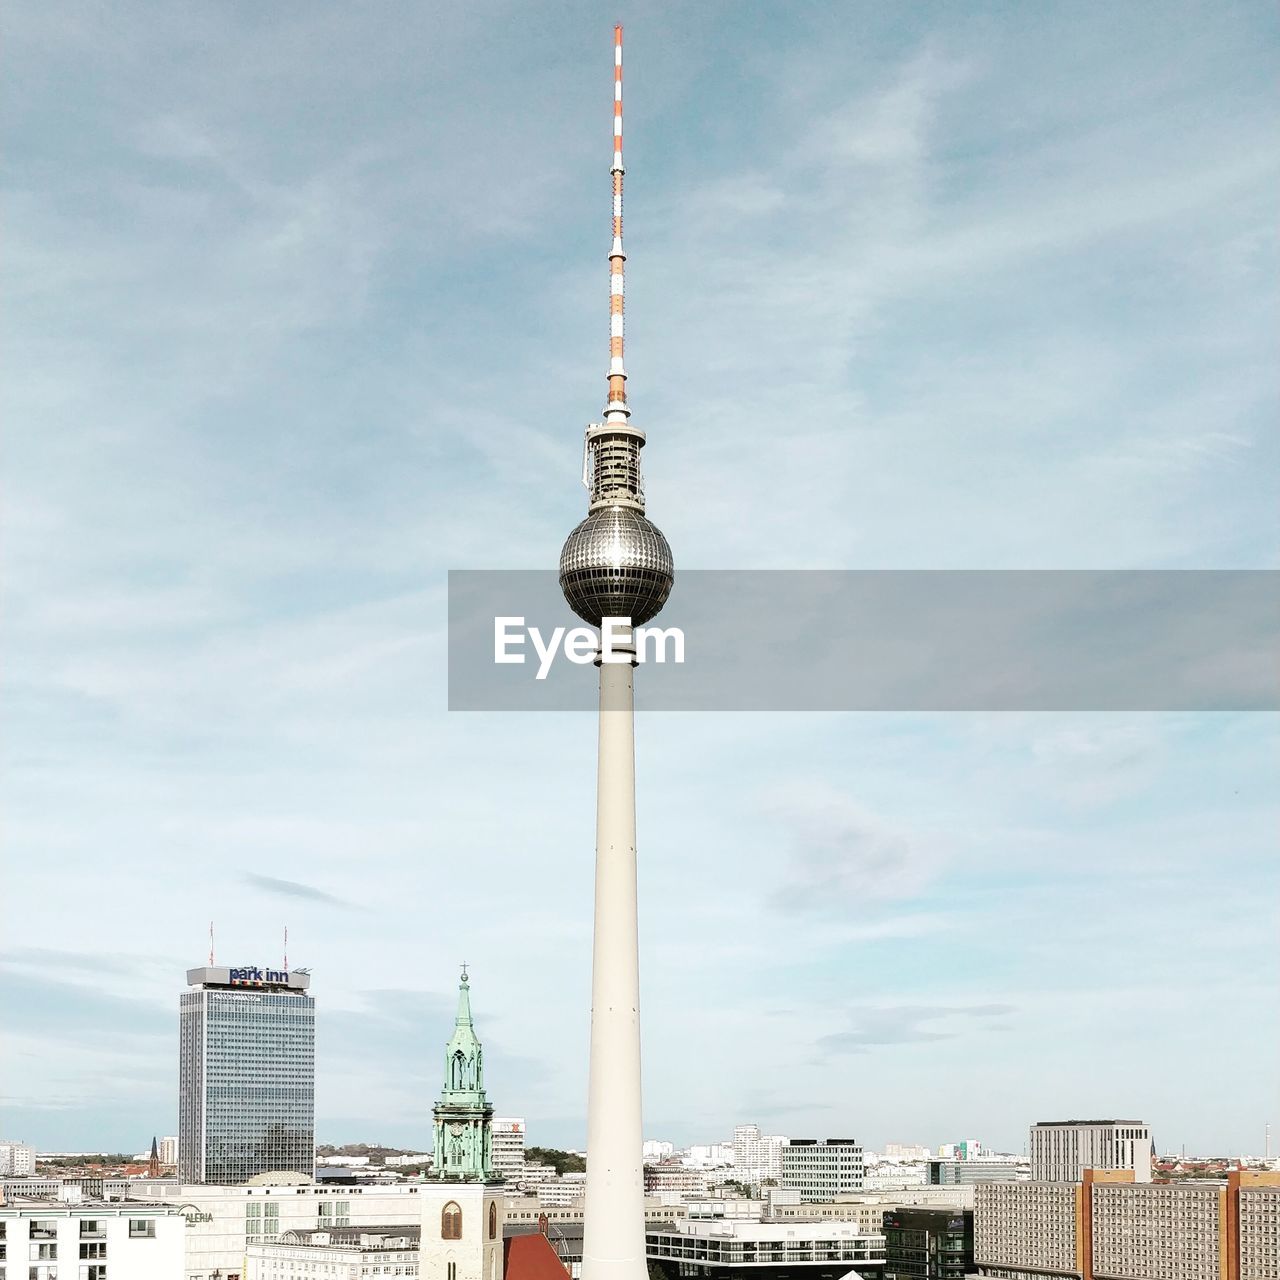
(17, 1159)
(246, 1090)
(1108, 1227)
(508, 1147)
(757, 1156)
(1061, 1150)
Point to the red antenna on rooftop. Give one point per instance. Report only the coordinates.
(210, 944)
(286, 948)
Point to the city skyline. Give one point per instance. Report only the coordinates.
(270, 326)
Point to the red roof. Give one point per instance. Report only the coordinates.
(531, 1257)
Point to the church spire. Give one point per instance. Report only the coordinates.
(464, 1116)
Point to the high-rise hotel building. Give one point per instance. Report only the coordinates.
(246, 1102)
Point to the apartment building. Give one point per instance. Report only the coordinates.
(1254, 1228)
(757, 1156)
(17, 1159)
(508, 1146)
(1109, 1227)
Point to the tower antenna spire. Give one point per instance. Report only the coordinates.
(210, 944)
(286, 948)
(616, 409)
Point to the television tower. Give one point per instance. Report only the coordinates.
(615, 564)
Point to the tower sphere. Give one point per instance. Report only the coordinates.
(616, 564)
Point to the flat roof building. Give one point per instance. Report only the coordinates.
(246, 1096)
(822, 1170)
(508, 1147)
(353, 1253)
(1109, 1227)
(950, 1173)
(729, 1249)
(1061, 1150)
(928, 1244)
(90, 1239)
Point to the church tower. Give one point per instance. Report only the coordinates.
(463, 1116)
(462, 1208)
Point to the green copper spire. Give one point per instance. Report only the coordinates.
(463, 1116)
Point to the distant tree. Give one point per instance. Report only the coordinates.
(561, 1161)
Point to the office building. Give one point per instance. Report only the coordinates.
(17, 1160)
(169, 1151)
(562, 1192)
(1109, 1227)
(508, 1147)
(928, 1244)
(951, 1173)
(822, 1170)
(1061, 1150)
(736, 1250)
(223, 1221)
(43, 1239)
(246, 1103)
(655, 1149)
(674, 1176)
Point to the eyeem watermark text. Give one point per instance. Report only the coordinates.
(617, 642)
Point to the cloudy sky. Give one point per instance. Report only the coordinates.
(304, 305)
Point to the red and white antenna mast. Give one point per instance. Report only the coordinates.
(616, 410)
(210, 944)
(611, 453)
(286, 948)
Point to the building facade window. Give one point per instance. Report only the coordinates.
(451, 1223)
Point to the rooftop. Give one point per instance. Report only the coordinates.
(1050, 1124)
(361, 1239)
(42, 1206)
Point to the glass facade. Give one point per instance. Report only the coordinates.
(247, 1087)
(928, 1244)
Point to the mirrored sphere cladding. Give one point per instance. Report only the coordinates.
(616, 564)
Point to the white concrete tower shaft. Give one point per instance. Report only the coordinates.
(613, 1234)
